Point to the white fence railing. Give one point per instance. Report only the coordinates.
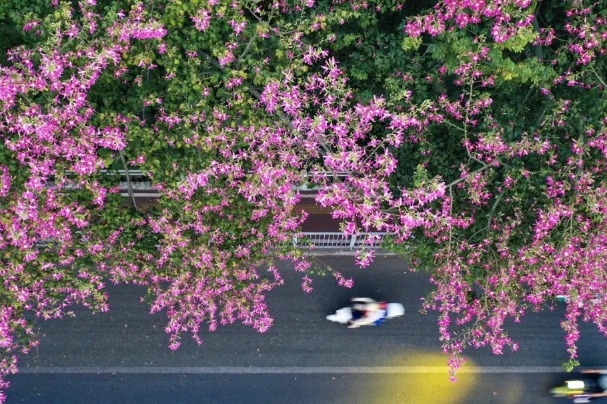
(315, 240)
(339, 240)
(143, 187)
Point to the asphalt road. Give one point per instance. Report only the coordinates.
(122, 356)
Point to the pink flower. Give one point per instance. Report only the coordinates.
(5, 181)
(202, 20)
(151, 30)
(31, 25)
(226, 59)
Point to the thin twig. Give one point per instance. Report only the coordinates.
(497, 200)
(597, 75)
(457, 181)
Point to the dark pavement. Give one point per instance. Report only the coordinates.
(122, 356)
(281, 389)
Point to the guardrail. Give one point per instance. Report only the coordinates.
(338, 240)
(143, 186)
(316, 240)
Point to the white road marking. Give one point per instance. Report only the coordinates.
(289, 370)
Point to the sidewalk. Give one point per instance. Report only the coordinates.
(319, 219)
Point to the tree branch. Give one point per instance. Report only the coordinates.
(246, 49)
(597, 76)
(493, 207)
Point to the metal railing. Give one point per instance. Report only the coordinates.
(143, 187)
(338, 240)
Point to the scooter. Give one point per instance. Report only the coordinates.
(587, 386)
(389, 311)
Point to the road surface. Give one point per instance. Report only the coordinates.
(122, 356)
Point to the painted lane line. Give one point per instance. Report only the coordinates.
(288, 370)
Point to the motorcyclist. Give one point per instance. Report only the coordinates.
(366, 311)
(591, 384)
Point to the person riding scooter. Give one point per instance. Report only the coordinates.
(366, 311)
(588, 385)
